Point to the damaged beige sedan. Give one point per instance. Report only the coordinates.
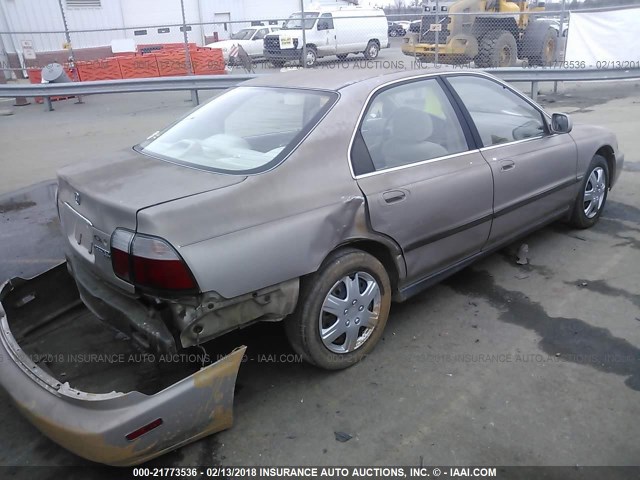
(313, 198)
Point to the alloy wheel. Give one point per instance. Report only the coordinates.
(594, 192)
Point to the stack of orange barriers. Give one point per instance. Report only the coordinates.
(170, 60)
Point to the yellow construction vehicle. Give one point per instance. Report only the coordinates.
(471, 30)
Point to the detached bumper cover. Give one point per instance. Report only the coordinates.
(95, 426)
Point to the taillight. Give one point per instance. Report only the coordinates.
(149, 262)
(120, 247)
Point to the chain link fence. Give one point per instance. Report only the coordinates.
(461, 33)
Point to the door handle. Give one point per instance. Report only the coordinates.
(393, 196)
(507, 165)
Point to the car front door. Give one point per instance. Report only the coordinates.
(426, 184)
(534, 170)
(255, 46)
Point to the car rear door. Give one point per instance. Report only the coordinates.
(534, 171)
(426, 184)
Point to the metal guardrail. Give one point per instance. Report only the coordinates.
(551, 74)
(191, 83)
(534, 75)
(221, 82)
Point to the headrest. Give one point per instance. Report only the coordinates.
(411, 125)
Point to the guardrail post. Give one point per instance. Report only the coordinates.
(437, 20)
(187, 54)
(48, 104)
(534, 91)
(562, 39)
(304, 35)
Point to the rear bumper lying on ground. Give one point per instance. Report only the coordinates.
(96, 426)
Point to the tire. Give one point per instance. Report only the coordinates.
(326, 290)
(393, 33)
(497, 49)
(277, 63)
(545, 49)
(342, 56)
(312, 57)
(372, 50)
(588, 208)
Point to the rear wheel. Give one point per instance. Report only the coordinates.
(497, 49)
(592, 195)
(342, 310)
(372, 50)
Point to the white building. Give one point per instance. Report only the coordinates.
(145, 21)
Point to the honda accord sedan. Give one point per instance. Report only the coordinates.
(318, 198)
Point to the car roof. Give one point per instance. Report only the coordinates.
(336, 76)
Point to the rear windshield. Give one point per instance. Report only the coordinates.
(245, 130)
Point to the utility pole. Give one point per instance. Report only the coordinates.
(72, 60)
(194, 93)
(304, 35)
(67, 36)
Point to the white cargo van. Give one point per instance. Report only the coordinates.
(329, 31)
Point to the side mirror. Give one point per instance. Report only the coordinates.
(561, 123)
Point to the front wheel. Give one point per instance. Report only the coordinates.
(592, 195)
(342, 310)
(312, 57)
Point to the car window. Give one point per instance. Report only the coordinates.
(411, 123)
(244, 34)
(328, 19)
(500, 115)
(245, 130)
(261, 34)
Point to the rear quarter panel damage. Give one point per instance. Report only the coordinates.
(274, 226)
